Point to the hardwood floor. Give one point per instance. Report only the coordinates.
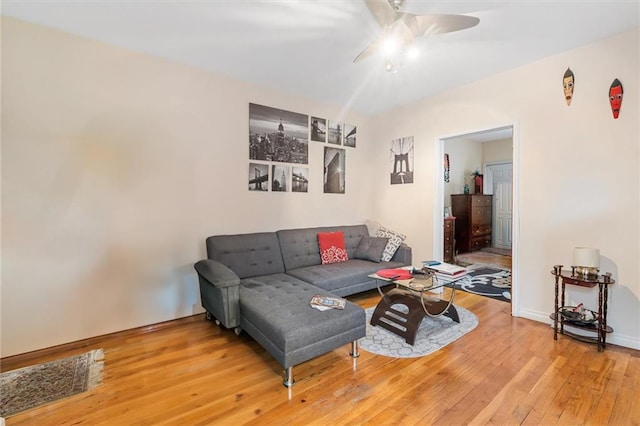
(485, 258)
(506, 371)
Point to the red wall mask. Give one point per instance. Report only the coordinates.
(615, 97)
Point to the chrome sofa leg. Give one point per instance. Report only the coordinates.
(354, 349)
(288, 377)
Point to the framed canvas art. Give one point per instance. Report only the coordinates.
(278, 135)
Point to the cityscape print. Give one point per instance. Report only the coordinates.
(278, 135)
(282, 137)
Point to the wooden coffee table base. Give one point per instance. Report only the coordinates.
(404, 324)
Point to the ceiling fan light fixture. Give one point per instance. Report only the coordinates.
(390, 67)
(400, 29)
(390, 45)
(396, 4)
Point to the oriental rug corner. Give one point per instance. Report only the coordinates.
(36, 385)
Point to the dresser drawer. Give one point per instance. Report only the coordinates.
(478, 243)
(477, 230)
(478, 201)
(481, 215)
(448, 252)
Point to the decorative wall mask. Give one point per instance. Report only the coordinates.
(615, 97)
(568, 81)
(446, 168)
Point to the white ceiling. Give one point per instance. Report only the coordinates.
(306, 47)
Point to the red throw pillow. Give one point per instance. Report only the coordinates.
(332, 248)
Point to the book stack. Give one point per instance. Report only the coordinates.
(446, 272)
(324, 303)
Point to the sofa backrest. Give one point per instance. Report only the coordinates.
(300, 246)
(248, 255)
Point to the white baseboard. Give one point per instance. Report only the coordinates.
(614, 338)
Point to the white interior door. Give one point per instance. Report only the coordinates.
(501, 185)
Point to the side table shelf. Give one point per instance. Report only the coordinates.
(591, 327)
(599, 327)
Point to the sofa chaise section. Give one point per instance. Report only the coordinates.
(244, 285)
(276, 313)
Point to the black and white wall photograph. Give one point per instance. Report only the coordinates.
(335, 132)
(402, 160)
(258, 177)
(349, 135)
(300, 179)
(278, 135)
(318, 129)
(334, 170)
(280, 178)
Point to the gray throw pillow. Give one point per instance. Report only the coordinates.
(371, 248)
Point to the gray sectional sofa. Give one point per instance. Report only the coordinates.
(263, 282)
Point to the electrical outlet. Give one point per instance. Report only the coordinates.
(197, 309)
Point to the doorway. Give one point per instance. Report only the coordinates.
(500, 179)
(499, 182)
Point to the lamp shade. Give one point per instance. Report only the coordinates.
(586, 256)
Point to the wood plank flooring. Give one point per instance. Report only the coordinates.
(485, 258)
(507, 371)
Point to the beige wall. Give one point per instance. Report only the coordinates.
(465, 156)
(576, 171)
(497, 151)
(116, 166)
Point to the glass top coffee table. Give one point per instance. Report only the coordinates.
(419, 300)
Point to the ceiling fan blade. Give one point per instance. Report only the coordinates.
(398, 32)
(367, 52)
(381, 11)
(421, 25)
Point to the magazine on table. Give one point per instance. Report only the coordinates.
(446, 278)
(323, 303)
(448, 269)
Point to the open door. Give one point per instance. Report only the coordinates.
(499, 182)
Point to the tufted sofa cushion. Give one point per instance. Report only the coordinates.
(300, 246)
(341, 278)
(276, 312)
(248, 255)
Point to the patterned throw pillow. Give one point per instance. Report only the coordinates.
(395, 239)
(332, 248)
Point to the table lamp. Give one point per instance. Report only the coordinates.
(586, 261)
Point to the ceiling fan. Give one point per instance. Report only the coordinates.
(400, 29)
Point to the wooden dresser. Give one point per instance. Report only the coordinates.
(473, 221)
(449, 238)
